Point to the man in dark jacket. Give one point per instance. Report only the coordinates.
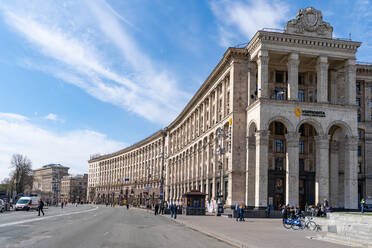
(40, 208)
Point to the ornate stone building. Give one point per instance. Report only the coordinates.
(295, 107)
(74, 188)
(47, 181)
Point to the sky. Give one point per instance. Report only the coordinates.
(84, 77)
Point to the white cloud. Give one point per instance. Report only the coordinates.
(243, 18)
(51, 116)
(74, 40)
(20, 135)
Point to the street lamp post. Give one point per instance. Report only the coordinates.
(163, 156)
(220, 152)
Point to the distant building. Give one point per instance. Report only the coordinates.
(47, 181)
(74, 188)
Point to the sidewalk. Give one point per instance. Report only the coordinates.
(254, 233)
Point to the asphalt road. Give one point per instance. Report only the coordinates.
(92, 226)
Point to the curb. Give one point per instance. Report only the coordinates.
(209, 234)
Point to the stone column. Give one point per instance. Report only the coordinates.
(215, 161)
(333, 184)
(350, 87)
(223, 106)
(263, 74)
(368, 165)
(262, 145)
(252, 70)
(207, 166)
(333, 81)
(322, 76)
(351, 173)
(322, 168)
(367, 101)
(250, 172)
(293, 62)
(292, 168)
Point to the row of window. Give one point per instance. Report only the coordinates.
(279, 146)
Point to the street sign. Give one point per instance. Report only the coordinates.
(126, 179)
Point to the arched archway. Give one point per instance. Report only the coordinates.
(307, 163)
(343, 166)
(277, 164)
(251, 165)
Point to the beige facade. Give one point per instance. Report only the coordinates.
(295, 107)
(47, 181)
(133, 173)
(74, 188)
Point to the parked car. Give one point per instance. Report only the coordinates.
(27, 203)
(2, 206)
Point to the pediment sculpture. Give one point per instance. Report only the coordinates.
(309, 21)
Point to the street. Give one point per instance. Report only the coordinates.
(96, 226)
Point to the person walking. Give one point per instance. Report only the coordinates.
(156, 208)
(40, 208)
(237, 211)
(241, 212)
(362, 202)
(175, 211)
(171, 209)
(61, 204)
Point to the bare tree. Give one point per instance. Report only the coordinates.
(22, 175)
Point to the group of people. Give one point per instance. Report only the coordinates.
(173, 208)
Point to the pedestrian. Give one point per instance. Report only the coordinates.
(127, 205)
(175, 211)
(285, 213)
(362, 202)
(61, 204)
(237, 211)
(241, 212)
(40, 208)
(171, 209)
(268, 211)
(156, 208)
(161, 208)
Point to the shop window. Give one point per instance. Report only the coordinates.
(301, 95)
(279, 146)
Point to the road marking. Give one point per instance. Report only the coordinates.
(45, 218)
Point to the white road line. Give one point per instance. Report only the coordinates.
(44, 218)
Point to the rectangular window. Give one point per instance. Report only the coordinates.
(358, 101)
(359, 167)
(301, 95)
(357, 88)
(279, 76)
(301, 147)
(359, 151)
(279, 147)
(301, 78)
(358, 117)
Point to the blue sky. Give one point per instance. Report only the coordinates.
(84, 77)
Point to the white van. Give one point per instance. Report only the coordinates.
(27, 203)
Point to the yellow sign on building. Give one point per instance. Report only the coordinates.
(298, 112)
